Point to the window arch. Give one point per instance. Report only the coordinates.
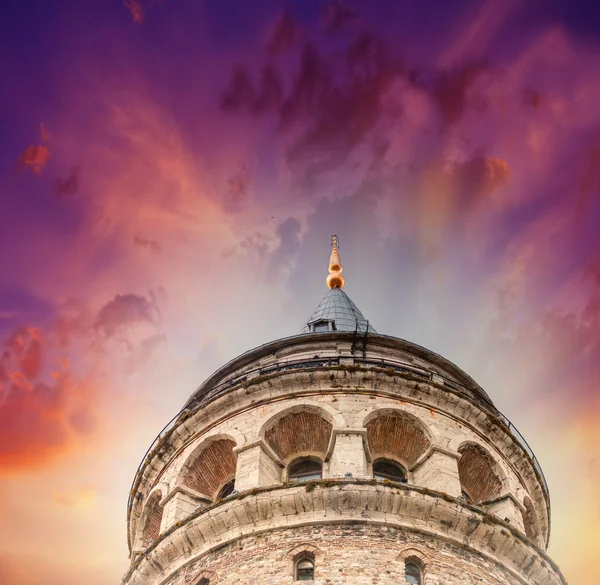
(390, 470)
(305, 469)
(413, 573)
(226, 490)
(397, 435)
(478, 473)
(153, 512)
(305, 569)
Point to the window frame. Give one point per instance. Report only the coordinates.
(383, 477)
(304, 559)
(419, 571)
(306, 476)
(226, 489)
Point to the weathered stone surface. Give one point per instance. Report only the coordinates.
(358, 530)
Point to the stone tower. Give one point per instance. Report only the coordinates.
(339, 456)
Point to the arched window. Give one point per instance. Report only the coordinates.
(305, 569)
(384, 469)
(305, 470)
(204, 581)
(413, 574)
(227, 489)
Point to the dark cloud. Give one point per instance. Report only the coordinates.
(136, 8)
(237, 189)
(148, 244)
(125, 311)
(242, 96)
(337, 114)
(449, 88)
(532, 98)
(336, 14)
(255, 244)
(590, 181)
(288, 233)
(479, 176)
(69, 186)
(284, 35)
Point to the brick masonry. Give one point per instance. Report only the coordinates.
(360, 530)
(355, 553)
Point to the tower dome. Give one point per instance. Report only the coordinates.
(339, 456)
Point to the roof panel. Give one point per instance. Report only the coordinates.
(337, 306)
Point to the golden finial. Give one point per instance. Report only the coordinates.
(335, 278)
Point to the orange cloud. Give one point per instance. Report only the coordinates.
(35, 157)
(39, 420)
(82, 497)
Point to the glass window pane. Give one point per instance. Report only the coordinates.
(388, 470)
(413, 574)
(305, 470)
(305, 570)
(227, 489)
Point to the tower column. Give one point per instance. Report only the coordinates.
(506, 508)
(257, 465)
(437, 470)
(179, 503)
(348, 453)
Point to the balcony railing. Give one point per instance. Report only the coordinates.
(197, 399)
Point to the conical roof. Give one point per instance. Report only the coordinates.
(336, 312)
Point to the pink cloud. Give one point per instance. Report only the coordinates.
(137, 10)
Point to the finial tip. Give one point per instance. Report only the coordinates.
(335, 278)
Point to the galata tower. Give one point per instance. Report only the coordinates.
(339, 456)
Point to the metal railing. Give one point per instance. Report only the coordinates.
(247, 376)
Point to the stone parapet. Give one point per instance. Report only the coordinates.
(437, 517)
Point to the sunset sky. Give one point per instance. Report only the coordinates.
(171, 173)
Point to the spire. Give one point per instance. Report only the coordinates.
(335, 278)
(336, 311)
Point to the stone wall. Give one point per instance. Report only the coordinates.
(346, 428)
(353, 554)
(493, 552)
(474, 510)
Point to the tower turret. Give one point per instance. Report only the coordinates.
(340, 456)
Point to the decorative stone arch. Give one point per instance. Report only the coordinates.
(209, 466)
(330, 414)
(301, 430)
(414, 553)
(509, 482)
(300, 552)
(433, 431)
(303, 548)
(395, 434)
(416, 556)
(482, 478)
(151, 519)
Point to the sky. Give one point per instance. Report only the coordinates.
(171, 173)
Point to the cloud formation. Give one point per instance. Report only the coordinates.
(285, 34)
(40, 417)
(69, 186)
(35, 157)
(136, 8)
(124, 312)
